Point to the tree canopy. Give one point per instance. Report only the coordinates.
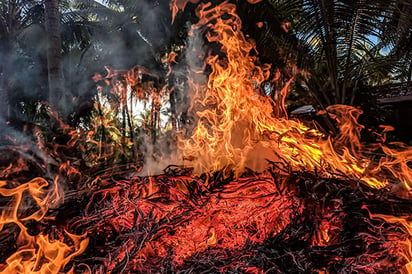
(332, 49)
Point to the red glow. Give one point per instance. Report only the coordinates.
(257, 190)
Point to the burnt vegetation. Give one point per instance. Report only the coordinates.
(146, 146)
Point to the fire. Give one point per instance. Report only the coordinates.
(404, 245)
(216, 205)
(184, 216)
(176, 5)
(245, 211)
(236, 125)
(41, 253)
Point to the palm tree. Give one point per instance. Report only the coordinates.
(54, 57)
(346, 40)
(401, 41)
(14, 16)
(23, 51)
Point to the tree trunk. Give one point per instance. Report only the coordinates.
(4, 94)
(172, 99)
(327, 16)
(54, 57)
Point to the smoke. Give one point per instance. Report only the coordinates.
(190, 82)
(136, 35)
(23, 72)
(120, 36)
(154, 163)
(195, 54)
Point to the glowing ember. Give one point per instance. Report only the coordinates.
(244, 211)
(258, 192)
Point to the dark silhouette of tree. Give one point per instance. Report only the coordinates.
(347, 41)
(54, 57)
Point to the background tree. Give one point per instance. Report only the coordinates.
(54, 48)
(348, 41)
(15, 17)
(346, 46)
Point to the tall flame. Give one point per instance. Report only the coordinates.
(236, 125)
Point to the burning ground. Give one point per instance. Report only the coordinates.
(252, 191)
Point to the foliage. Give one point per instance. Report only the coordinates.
(349, 42)
(344, 45)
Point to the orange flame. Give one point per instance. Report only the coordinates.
(405, 245)
(236, 125)
(176, 5)
(36, 254)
